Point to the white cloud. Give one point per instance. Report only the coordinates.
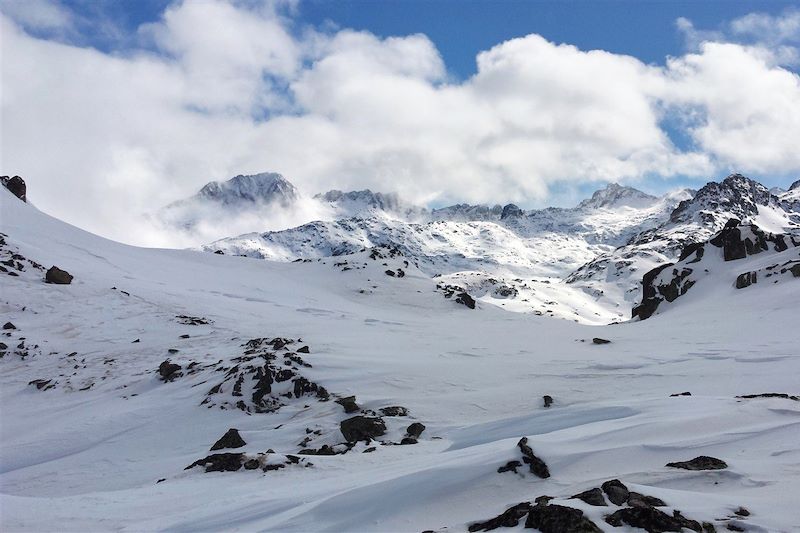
(232, 88)
(39, 15)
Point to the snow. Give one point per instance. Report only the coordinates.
(90, 460)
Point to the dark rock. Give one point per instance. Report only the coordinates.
(58, 276)
(168, 370)
(508, 518)
(510, 466)
(9, 325)
(687, 393)
(746, 279)
(548, 400)
(220, 462)
(733, 527)
(408, 440)
(251, 464)
(616, 491)
(771, 395)
(349, 404)
(465, 299)
(370, 449)
(415, 430)
(390, 273)
(598, 340)
(231, 439)
(185, 336)
(559, 519)
(641, 500)
(362, 428)
(708, 527)
(730, 240)
(795, 270)
(303, 349)
(16, 185)
(325, 449)
(741, 511)
(536, 465)
(702, 462)
(510, 210)
(648, 518)
(688, 250)
(394, 410)
(543, 500)
(592, 497)
(650, 300)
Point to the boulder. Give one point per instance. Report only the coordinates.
(592, 497)
(415, 430)
(231, 439)
(58, 276)
(9, 325)
(651, 519)
(598, 340)
(394, 410)
(730, 240)
(548, 400)
(220, 462)
(303, 349)
(168, 370)
(559, 519)
(536, 465)
(16, 186)
(746, 279)
(465, 299)
(702, 462)
(508, 518)
(616, 491)
(510, 466)
(363, 428)
(636, 499)
(349, 404)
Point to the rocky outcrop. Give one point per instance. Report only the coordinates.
(558, 519)
(363, 428)
(231, 439)
(702, 462)
(16, 185)
(535, 464)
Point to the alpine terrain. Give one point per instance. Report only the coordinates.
(628, 364)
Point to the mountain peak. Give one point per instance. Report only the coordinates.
(616, 195)
(262, 187)
(795, 185)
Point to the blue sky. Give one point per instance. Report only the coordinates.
(142, 102)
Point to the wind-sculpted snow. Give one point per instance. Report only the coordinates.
(106, 447)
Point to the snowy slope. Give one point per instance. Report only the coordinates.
(104, 443)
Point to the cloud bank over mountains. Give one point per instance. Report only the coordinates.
(219, 88)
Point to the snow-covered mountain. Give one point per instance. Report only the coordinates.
(153, 389)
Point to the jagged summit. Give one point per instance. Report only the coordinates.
(364, 198)
(795, 186)
(264, 187)
(616, 195)
(736, 196)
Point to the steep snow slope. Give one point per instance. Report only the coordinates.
(88, 452)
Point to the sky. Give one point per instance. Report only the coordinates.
(112, 109)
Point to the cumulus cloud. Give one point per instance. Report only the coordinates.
(221, 88)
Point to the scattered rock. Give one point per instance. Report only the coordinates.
(303, 349)
(510, 466)
(251, 464)
(598, 340)
(616, 491)
(681, 394)
(641, 500)
(592, 497)
(408, 440)
(746, 279)
(548, 400)
(650, 519)
(231, 439)
(9, 325)
(734, 527)
(349, 404)
(702, 462)
(415, 430)
(362, 428)
(741, 511)
(43, 384)
(394, 410)
(465, 299)
(168, 371)
(220, 462)
(771, 395)
(508, 518)
(57, 276)
(559, 519)
(537, 466)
